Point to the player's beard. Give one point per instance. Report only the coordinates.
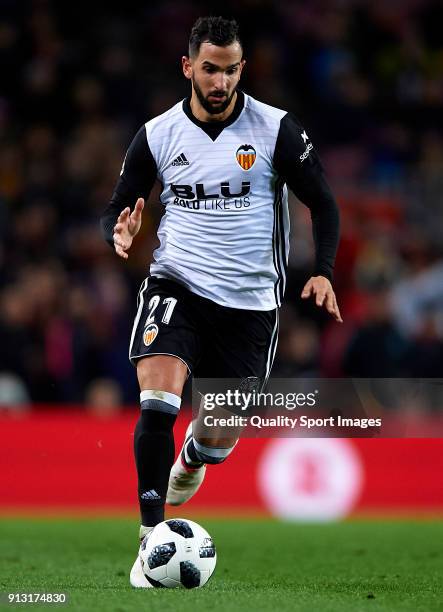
(208, 106)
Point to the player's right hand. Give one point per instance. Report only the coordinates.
(127, 226)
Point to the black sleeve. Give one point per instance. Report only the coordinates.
(296, 161)
(136, 179)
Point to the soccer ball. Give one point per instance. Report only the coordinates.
(178, 553)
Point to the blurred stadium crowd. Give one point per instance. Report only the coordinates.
(78, 80)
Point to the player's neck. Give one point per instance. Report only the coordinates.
(202, 115)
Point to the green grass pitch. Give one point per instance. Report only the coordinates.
(262, 565)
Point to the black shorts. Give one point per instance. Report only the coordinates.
(214, 341)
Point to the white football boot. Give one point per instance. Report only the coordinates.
(137, 577)
(184, 481)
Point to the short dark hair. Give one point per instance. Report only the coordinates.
(216, 30)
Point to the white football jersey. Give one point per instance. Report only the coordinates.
(225, 231)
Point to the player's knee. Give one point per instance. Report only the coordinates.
(162, 371)
(212, 455)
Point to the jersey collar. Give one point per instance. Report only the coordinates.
(214, 128)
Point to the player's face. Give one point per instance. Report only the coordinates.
(215, 73)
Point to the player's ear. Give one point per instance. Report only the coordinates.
(187, 66)
(242, 63)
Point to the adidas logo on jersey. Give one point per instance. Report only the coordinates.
(180, 161)
(152, 494)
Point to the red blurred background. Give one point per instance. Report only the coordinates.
(69, 460)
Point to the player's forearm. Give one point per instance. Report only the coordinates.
(120, 199)
(316, 194)
(107, 223)
(326, 231)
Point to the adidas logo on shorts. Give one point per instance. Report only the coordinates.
(180, 161)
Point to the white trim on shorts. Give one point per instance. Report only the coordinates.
(141, 302)
(272, 349)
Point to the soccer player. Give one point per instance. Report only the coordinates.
(209, 306)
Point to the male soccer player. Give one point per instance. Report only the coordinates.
(209, 306)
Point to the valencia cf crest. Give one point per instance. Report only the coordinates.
(150, 334)
(246, 156)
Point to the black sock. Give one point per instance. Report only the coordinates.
(189, 455)
(154, 456)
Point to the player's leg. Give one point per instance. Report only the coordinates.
(245, 354)
(203, 446)
(161, 379)
(210, 445)
(163, 347)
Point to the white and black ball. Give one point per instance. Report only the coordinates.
(178, 553)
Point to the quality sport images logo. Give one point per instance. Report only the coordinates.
(246, 156)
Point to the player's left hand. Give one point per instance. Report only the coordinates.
(321, 289)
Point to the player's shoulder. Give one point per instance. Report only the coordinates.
(271, 114)
(165, 120)
(267, 112)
